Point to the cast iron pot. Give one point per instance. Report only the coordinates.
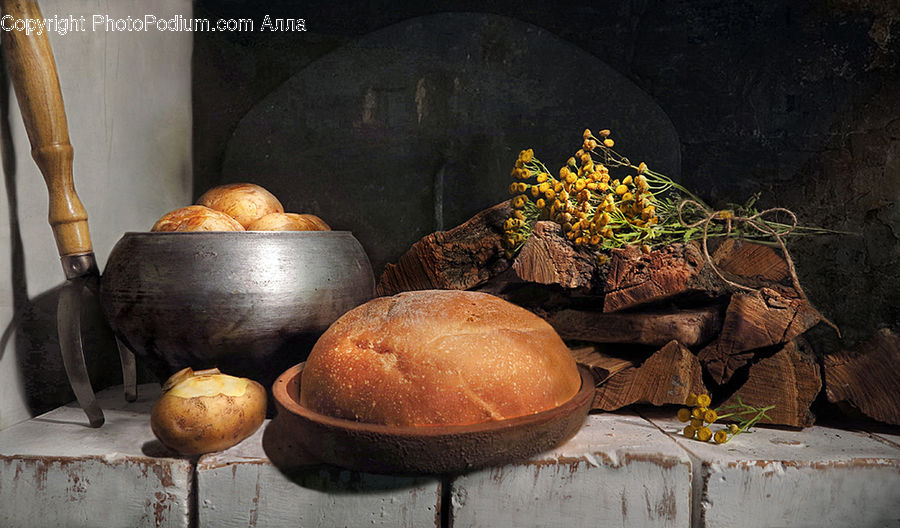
(250, 303)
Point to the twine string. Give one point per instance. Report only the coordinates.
(756, 221)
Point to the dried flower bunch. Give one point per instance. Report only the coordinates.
(600, 210)
(701, 417)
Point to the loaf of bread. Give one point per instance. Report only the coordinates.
(438, 358)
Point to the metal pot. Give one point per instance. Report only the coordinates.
(250, 303)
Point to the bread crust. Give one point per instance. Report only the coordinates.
(438, 357)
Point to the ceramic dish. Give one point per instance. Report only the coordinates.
(378, 448)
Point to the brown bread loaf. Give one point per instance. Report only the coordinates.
(438, 358)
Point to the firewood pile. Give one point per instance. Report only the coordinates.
(655, 326)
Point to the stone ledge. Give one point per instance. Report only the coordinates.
(620, 469)
(55, 470)
(241, 487)
(773, 477)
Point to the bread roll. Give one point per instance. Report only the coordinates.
(438, 358)
(196, 218)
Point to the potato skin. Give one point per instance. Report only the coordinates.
(196, 218)
(205, 424)
(245, 202)
(288, 222)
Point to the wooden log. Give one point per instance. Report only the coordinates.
(666, 377)
(602, 365)
(458, 259)
(690, 327)
(754, 320)
(790, 380)
(472, 253)
(548, 258)
(748, 260)
(636, 278)
(867, 377)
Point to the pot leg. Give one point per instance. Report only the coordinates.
(129, 371)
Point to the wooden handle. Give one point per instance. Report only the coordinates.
(33, 72)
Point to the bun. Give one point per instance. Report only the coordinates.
(196, 218)
(438, 357)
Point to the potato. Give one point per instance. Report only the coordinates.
(196, 218)
(245, 202)
(206, 411)
(289, 222)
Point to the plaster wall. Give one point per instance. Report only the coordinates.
(128, 101)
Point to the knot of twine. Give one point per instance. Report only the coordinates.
(756, 221)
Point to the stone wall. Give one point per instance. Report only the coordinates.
(794, 100)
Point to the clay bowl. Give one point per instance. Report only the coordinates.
(250, 303)
(377, 448)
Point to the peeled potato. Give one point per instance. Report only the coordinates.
(196, 218)
(289, 222)
(206, 411)
(245, 202)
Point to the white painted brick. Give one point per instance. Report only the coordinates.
(778, 478)
(619, 470)
(241, 487)
(890, 438)
(57, 471)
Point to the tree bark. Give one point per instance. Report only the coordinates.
(458, 259)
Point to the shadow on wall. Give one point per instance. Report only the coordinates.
(33, 324)
(811, 119)
(398, 134)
